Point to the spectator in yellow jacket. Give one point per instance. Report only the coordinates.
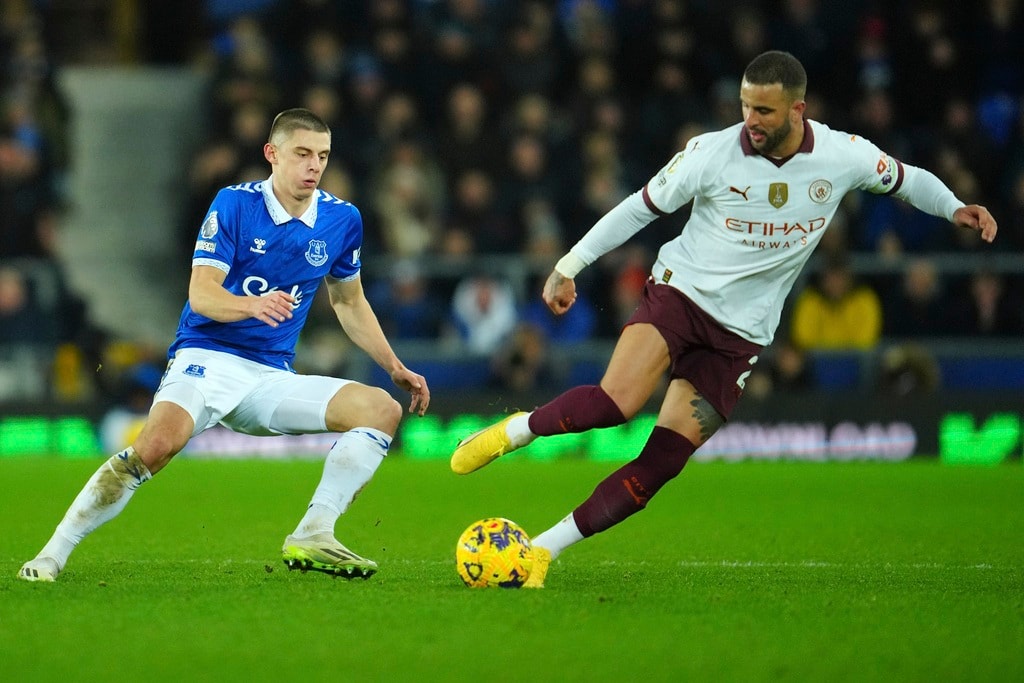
(837, 313)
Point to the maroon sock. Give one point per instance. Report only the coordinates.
(628, 489)
(577, 410)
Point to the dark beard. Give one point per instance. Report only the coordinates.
(773, 140)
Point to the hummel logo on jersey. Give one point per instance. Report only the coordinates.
(742, 193)
(196, 370)
(258, 244)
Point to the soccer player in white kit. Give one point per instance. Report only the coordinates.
(263, 250)
(763, 193)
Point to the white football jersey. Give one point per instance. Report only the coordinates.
(755, 221)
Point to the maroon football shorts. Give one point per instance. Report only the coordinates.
(713, 359)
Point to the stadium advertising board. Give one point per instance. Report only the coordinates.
(980, 431)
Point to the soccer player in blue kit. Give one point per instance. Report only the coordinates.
(262, 252)
(763, 192)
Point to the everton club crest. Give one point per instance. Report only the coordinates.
(317, 253)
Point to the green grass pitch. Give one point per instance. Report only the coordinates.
(735, 572)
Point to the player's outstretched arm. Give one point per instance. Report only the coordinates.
(925, 191)
(625, 219)
(978, 218)
(361, 325)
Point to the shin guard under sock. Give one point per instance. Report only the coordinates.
(628, 489)
(577, 410)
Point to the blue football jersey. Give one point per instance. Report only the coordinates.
(249, 235)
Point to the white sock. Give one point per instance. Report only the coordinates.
(102, 498)
(560, 536)
(518, 430)
(349, 466)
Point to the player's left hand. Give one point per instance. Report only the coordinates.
(978, 218)
(416, 385)
(559, 293)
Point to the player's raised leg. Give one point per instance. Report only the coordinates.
(634, 371)
(490, 443)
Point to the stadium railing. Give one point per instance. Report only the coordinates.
(968, 363)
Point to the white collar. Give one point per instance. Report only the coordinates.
(276, 209)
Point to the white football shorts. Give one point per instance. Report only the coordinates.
(245, 396)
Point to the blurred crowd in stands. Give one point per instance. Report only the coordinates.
(44, 324)
(465, 129)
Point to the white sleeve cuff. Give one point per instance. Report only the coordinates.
(923, 190)
(570, 265)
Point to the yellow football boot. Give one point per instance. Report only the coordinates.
(541, 562)
(482, 447)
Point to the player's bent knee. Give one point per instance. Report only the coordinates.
(156, 449)
(165, 433)
(364, 406)
(628, 402)
(390, 413)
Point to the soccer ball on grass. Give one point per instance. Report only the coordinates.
(494, 553)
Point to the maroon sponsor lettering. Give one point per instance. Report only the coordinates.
(770, 229)
(780, 244)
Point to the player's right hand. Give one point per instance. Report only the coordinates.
(272, 308)
(559, 293)
(416, 385)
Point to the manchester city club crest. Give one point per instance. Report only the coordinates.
(820, 191)
(317, 253)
